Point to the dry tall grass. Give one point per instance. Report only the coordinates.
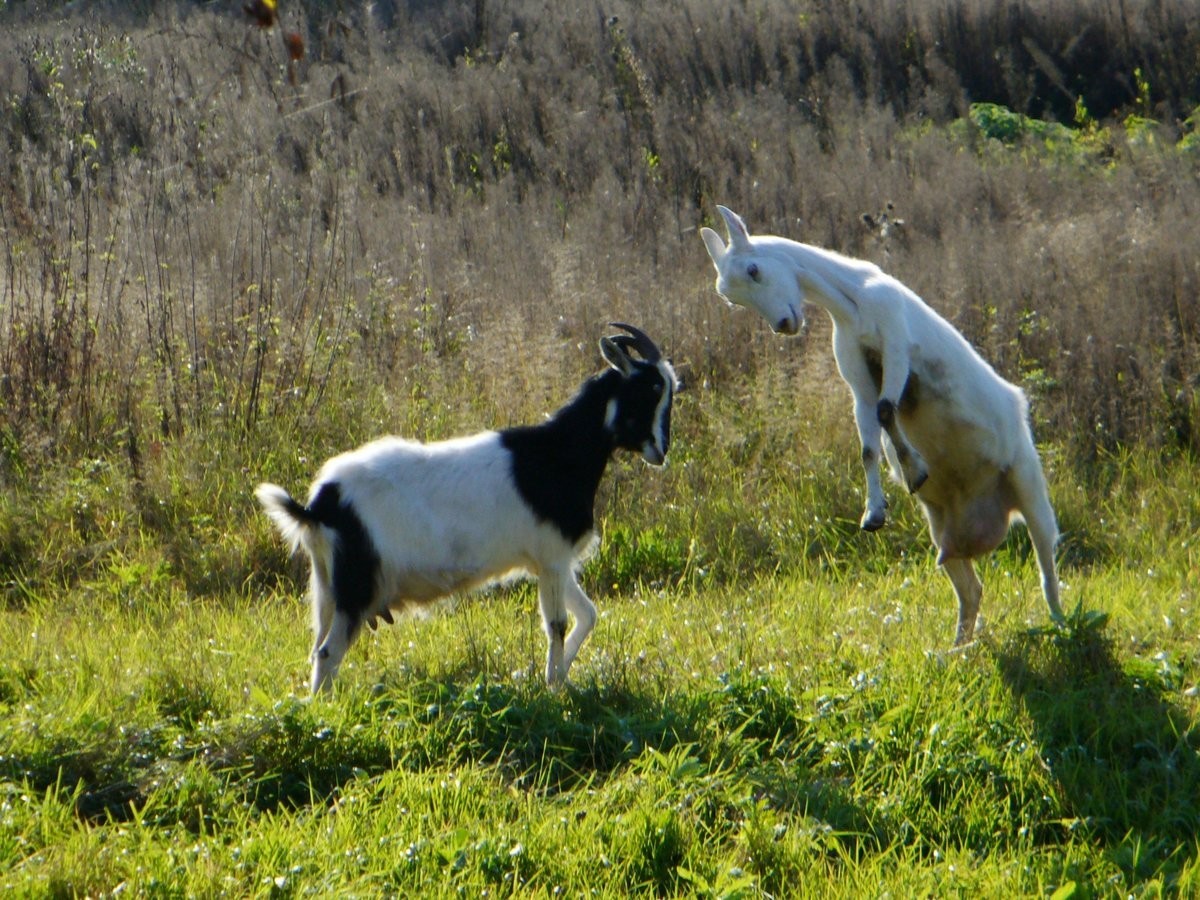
(449, 200)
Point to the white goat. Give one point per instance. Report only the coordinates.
(958, 434)
(397, 524)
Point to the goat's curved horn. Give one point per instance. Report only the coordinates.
(638, 340)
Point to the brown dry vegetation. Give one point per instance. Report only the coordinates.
(220, 263)
(424, 223)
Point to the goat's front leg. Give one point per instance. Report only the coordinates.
(912, 464)
(869, 435)
(584, 612)
(896, 364)
(554, 623)
(857, 375)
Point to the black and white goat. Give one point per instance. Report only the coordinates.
(396, 524)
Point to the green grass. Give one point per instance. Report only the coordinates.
(416, 231)
(780, 736)
(768, 705)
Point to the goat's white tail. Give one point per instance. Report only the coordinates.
(290, 516)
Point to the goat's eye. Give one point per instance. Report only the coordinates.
(753, 272)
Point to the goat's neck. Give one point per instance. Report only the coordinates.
(558, 464)
(579, 429)
(574, 443)
(828, 280)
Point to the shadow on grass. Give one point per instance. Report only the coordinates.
(1122, 755)
(300, 753)
(538, 739)
(195, 770)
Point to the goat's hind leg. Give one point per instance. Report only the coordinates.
(321, 597)
(969, 590)
(1033, 502)
(323, 606)
(328, 656)
(335, 626)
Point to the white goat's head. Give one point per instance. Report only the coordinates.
(749, 275)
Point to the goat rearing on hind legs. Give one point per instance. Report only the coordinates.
(955, 433)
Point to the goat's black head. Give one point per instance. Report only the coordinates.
(639, 414)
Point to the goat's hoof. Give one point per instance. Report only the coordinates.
(960, 650)
(968, 638)
(872, 520)
(917, 483)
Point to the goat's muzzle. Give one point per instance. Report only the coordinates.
(652, 455)
(787, 325)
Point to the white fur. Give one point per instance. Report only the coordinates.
(965, 451)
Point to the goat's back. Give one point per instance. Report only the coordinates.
(441, 513)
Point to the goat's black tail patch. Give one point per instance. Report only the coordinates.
(297, 510)
(355, 559)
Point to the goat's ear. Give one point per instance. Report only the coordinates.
(616, 356)
(716, 246)
(739, 237)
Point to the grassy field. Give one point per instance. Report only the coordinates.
(788, 737)
(806, 733)
(220, 265)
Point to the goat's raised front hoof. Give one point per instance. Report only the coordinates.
(872, 520)
(917, 483)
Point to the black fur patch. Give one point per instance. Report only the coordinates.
(355, 560)
(557, 465)
(910, 395)
(886, 411)
(637, 401)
